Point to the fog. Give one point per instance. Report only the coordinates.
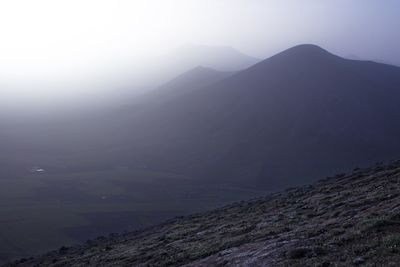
(56, 54)
(116, 115)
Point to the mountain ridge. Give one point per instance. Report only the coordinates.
(333, 107)
(226, 58)
(255, 123)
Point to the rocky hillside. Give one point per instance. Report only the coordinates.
(349, 219)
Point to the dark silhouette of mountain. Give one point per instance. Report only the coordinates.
(346, 220)
(382, 61)
(286, 120)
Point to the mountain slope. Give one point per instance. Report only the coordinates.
(185, 83)
(259, 122)
(287, 120)
(349, 219)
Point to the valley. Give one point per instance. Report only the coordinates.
(40, 212)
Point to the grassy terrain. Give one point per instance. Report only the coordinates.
(40, 212)
(348, 220)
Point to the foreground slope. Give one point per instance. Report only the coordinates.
(348, 219)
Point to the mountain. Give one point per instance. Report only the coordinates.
(159, 70)
(200, 139)
(184, 83)
(222, 58)
(284, 121)
(382, 61)
(346, 220)
(287, 120)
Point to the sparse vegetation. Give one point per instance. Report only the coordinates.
(55, 209)
(335, 222)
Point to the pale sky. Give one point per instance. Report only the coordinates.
(60, 41)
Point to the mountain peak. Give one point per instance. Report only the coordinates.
(296, 57)
(307, 48)
(305, 51)
(200, 68)
(223, 58)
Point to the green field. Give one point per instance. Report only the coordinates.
(40, 212)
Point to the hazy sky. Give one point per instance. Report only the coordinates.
(65, 40)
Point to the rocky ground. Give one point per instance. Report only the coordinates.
(349, 219)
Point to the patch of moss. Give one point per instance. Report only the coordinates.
(392, 241)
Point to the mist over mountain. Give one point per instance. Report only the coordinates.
(113, 87)
(187, 82)
(192, 133)
(251, 126)
(222, 58)
(156, 71)
(161, 69)
(248, 127)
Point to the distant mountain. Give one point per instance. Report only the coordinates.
(290, 119)
(286, 120)
(348, 220)
(222, 58)
(56, 141)
(184, 83)
(190, 56)
(142, 77)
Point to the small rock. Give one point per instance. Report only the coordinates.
(63, 250)
(298, 253)
(358, 261)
